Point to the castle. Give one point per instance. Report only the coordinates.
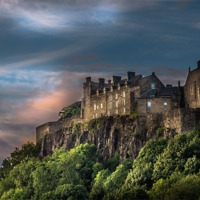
(124, 97)
(138, 94)
(141, 95)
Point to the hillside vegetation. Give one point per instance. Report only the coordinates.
(164, 170)
(71, 110)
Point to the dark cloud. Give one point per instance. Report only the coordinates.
(79, 4)
(48, 47)
(171, 75)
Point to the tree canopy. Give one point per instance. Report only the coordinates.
(164, 170)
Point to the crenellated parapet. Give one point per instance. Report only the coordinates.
(116, 97)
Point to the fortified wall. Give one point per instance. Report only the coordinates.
(50, 128)
(145, 106)
(173, 122)
(125, 134)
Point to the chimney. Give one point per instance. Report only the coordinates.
(198, 64)
(153, 73)
(88, 79)
(130, 75)
(116, 79)
(179, 83)
(101, 80)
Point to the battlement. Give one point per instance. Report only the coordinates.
(116, 97)
(140, 95)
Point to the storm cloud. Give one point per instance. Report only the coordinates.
(48, 47)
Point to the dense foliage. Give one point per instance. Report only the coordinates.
(164, 170)
(72, 110)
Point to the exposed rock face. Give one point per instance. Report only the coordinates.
(125, 134)
(109, 134)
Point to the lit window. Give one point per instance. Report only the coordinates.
(165, 104)
(148, 104)
(124, 102)
(96, 115)
(123, 94)
(101, 105)
(108, 113)
(116, 96)
(152, 85)
(124, 110)
(116, 104)
(95, 106)
(116, 111)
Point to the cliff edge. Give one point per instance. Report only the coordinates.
(123, 134)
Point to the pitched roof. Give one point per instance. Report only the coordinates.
(163, 92)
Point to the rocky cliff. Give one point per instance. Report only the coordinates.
(125, 134)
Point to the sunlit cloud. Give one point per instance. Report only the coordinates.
(68, 15)
(43, 20)
(22, 115)
(50, 16)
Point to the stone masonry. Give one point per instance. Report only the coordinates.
(178, 108)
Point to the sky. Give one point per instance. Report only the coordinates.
(48, 47)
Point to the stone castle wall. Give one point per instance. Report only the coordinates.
(124, 134)
(118, 97)
(155, 105)
(117, 102)
(53, 127)
(192, 89)
(176, 120)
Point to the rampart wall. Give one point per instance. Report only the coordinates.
(54, 127)
(176, 121)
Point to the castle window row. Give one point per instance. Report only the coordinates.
(117, 96)
(96, 107)
(149, 105)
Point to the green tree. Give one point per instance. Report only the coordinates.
(71, 110)
(26, 152)
(67, 191)
(64, 168)
(117, 178)
(127, 194)
(97, 191)
(6, 184)
(161, 187)
(181, 154)
(112, 162)
(186, 188)
(143, 165)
